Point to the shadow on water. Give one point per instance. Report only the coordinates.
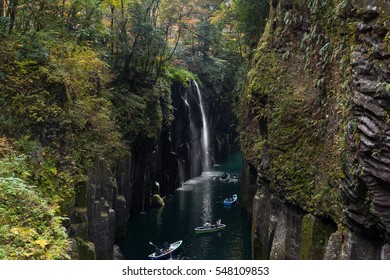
(197, 201)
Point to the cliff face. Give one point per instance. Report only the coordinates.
(314, 124)
(113, 193)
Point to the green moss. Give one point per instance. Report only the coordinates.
(297, 120)
(264, 85)
(180, 74)
(157, 201)
(85, 249)
(306, 237)
(314, 238)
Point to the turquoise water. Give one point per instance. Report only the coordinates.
(197, 201)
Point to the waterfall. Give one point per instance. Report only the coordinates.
(205, 133)
(193, 135)
(194, 146)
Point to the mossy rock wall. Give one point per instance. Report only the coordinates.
(314, 238)
(280, 231)
(314, 117)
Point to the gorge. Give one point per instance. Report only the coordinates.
(115, 112)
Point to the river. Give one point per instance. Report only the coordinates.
(197, 201)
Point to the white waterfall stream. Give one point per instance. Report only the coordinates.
(205, 132)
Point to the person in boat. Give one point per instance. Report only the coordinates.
(166, 246)
(207, 224)
(218, 222)
(158, 252)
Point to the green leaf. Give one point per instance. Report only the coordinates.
(41, 242)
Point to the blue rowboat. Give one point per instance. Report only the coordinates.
(230, 201)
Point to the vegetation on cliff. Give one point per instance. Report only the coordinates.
(300, 108)
(30, 225)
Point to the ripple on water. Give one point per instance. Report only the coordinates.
(198, 200)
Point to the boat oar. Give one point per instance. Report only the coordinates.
(152, 244)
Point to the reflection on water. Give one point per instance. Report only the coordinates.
(197, 201)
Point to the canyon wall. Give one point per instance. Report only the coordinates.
(315, 132)
(113, 193)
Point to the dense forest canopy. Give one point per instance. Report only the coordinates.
(139, 35)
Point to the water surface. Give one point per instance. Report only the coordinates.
(197, 201)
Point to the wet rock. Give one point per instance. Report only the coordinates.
(366, 130)
(368, 103)
(385, 252)
(157, 201)
(121, 217)
(346, 245)
(294, 219)
(348, 192)
(284, 232)
(377, 169)
(248, 187)
(278, 250)
(334, 247)
(101, 217)
(358, 248)
(381, 51)
(367, 144)
(261, 226)
(367, 84)
(278, 230)
(370, 215)
(117, 253)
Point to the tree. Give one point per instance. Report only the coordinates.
(3, 7)
(242, 21)
(11, 13)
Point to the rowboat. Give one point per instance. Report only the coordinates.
(163, 254)
(212, 228)
(230, 201)
(225, 177)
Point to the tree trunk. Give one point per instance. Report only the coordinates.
(2, 8)
(4, 4)
(12, 14)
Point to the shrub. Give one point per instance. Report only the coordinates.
(30, 228)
